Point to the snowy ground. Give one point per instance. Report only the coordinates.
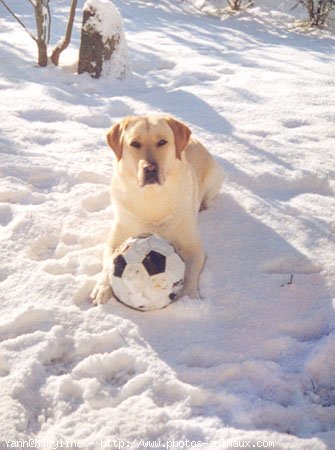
(254, 359)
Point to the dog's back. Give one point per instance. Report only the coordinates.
(209, 174)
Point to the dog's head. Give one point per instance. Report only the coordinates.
(149, 147)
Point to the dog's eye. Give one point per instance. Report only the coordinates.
(161, 143)
(135, 144)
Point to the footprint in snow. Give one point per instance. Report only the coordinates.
(118, 108)
(193, 78)
(42, 115)
(6, 215)
(88, 344)
(294, 123)
(53, 246)
(4, 274)
(26, 185)
(96, 202)
(4, 367)
(94, 121)
(44, 248)
(228, 71)
(260, 133)
(55, 268)
(307, 183)
(39, 177)
(42, 140)
(25, 322)
(200, 357)
(86, 176)
(18, 194)
(290, 265)
(110, 378)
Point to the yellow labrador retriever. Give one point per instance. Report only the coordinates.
(162, 179)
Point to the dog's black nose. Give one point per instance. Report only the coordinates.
(151, 173)
(150, 168)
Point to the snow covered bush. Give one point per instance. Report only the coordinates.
(219, 7)
(103, 49)
(235, 4)
(318, 10)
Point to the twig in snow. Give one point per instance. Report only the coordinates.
(289, 282)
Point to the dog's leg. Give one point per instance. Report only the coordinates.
(213, 186)
(194, 263)
(102, 291)
(194, 258)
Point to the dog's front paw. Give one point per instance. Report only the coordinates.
(101, 294)
(191, 293)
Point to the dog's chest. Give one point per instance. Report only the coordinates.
(152, 210)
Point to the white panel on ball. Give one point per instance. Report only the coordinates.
(160, 245)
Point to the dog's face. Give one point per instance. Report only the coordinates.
(149, 148)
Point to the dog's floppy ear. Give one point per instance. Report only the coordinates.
(114, 137)
(181, 134)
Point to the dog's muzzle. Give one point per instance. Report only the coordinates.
(150, 174)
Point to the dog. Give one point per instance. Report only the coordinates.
(162, 178)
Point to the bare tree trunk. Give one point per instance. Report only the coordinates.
(42, 24)
(42, 54)
(63, 44)
(310, 8)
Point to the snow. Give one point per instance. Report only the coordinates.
(108, 20)
(253, 360)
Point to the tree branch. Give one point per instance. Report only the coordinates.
(47, 6)
(63, 43)
(18, 20)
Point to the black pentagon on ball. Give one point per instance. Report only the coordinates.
(119, 266)
(154, 263)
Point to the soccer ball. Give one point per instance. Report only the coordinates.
(146, 273)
